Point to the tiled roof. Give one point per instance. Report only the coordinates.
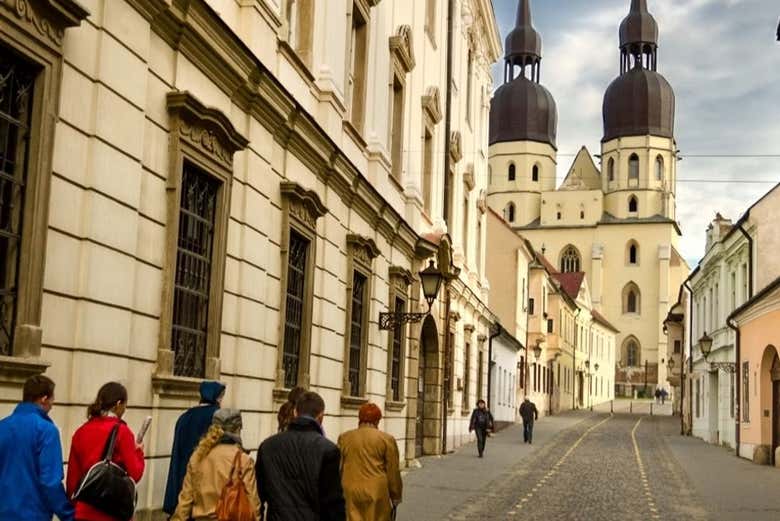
(603, 321)
(571, 282)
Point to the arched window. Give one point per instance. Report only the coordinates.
(611, 169)
(512, 171)
(633, 167)
(632, 299)
(535, 173)
(659, 168)
(509, 212)
(632, 253)
(570, 260)
(633, 204)
(632, 354)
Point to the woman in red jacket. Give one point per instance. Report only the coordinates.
(90, 439)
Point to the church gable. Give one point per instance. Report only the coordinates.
(583, 173)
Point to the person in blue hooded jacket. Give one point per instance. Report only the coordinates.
(31, 458)
(190, 428)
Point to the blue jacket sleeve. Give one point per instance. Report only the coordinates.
(50, 477)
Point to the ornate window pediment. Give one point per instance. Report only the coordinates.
(402, 49)
(456, 146)
(468, 177)
(362, 249)
(304, 205)
(46, 19)
(431, 103)
(401, 278)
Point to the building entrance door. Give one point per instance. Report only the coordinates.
(581, 390)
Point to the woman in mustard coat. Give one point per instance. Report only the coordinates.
(370, 473)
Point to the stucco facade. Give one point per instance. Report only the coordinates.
(317, 212)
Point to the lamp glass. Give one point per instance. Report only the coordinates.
(537, 351)
(705, 344)
(431, 279)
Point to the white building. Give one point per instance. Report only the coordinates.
(505, 351)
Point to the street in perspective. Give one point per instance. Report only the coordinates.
(389, 260)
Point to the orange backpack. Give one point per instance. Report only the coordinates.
(234, 504)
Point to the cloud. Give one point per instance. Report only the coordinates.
(722, 60)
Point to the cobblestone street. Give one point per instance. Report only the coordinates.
(596, 466)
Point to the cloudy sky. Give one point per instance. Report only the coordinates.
(723, 61)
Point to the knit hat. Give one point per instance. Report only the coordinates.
(228, 419)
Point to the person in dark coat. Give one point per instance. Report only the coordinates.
(190, 428)
(529, 414)
(298, 470)
(481, 422)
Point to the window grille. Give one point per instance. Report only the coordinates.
(356, 332)
(197, 212)
(16, 93)
(395, 370)
(293, 320)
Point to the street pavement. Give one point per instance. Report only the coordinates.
(593, 466)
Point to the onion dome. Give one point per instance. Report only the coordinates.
(522, 109)
(639, 101)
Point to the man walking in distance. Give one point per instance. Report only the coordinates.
(529, 414)
(31, 458)
(298, 470)
(481, 422)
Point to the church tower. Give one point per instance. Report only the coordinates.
(523, 127)
(638, 150)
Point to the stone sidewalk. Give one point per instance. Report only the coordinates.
(444, 483)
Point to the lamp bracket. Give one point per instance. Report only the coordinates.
(389, 321)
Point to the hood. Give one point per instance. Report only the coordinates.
(210, 391)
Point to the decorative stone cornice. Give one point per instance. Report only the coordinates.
(482, 338)
(431, 104)
(456, 146)
(305, 205)
(362, 249)
(401, 277)
(468, 328)
(402, 48)
(454, 316)
(205, 128)
(47, 19)
(482, 201)
(468, 177)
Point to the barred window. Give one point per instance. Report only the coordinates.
(16, 89)
(197, 211)
(356, 332)
(293, 320)
(395, 369)
(466, 378)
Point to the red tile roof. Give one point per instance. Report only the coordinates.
(549, 267)
(603, 321)
(570, 282)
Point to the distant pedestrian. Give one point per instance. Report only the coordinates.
(664, 394)
(298, 470)
(370, 464)
(190, 428)
(89, 442)
(218, 458)
(286, 412)
(31, 458)
(657, 395)
(529, 414)
(481, 423)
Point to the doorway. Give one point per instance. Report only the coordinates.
(420, 420)
(775, 373)
(427, 434)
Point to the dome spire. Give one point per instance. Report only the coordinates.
(523, 45)
(638, 38)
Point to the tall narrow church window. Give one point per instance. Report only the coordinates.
(611, 170)
(633, 204)
(570, 260)
(633, 167)
(510, 212)
(512, 171)
(631, 298)
(632, 353)
(633, 253)
(535, 173)
(659, 168)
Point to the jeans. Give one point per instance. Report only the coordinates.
(528, 432)
(481, 438)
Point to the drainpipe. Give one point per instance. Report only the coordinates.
(574, 361)
(687, 286)
(495, 331)
(447, 373)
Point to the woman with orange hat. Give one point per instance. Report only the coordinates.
(371, 477)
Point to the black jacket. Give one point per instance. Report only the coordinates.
(481, 419)
(528, 412)
(298, 475)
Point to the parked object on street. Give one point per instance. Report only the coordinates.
(31, 458)
(529, 414)
(286, 412)
(481, 423)
(190, 428)
(370, 465)
(298, 477)
(88, 447)
(220, 479)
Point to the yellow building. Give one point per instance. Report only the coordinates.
(615, 223)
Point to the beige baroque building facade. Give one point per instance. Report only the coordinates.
(617, 224)
(235, 190)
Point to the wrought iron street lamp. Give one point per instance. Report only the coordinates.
(596, 368)
(705, 345)
(538, 349)
(431, 279)
(670, 364)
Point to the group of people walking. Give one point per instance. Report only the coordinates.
(481, 423)
(298, 475)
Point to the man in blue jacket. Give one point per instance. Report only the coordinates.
(31, 458)
(190, 428)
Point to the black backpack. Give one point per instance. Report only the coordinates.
(106, 486)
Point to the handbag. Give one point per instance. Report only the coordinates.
(106, 486)
(233, 504)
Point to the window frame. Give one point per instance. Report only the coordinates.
(204, 137)
(568, 254)
(511, 172)
(634, 167)
(535, 171)
(357, 63)
(633, 202)
(432, 115)
(660, 168)
(402, 63)
(628, 289)
(611, 170)
(632, 245)
(401, 281)
(299, 37)
(468, 333)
